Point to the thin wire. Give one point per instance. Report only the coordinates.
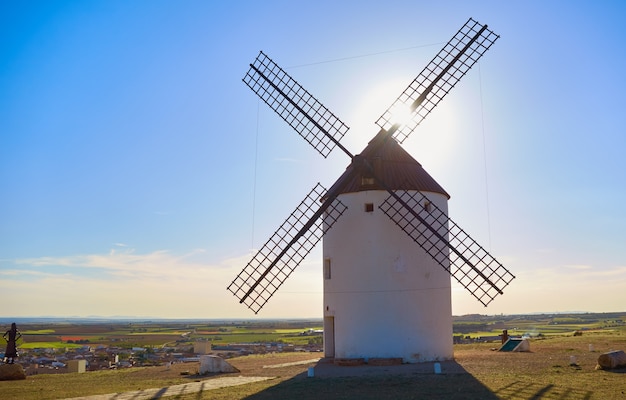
(482, 117)
(363, 55)
(256, 152)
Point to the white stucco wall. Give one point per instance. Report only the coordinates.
(385, 297)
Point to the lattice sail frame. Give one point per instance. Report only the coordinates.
(448, 245)
(266, 271)
(303, 112)
(439, 77)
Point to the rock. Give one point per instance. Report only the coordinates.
(612, 359)
(11, 372)
(210, 364)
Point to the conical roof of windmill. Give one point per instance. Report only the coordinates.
(394, 166)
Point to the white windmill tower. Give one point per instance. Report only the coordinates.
(384, 297)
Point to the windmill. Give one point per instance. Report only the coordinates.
(388, 259)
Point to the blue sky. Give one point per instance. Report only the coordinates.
(138, 172)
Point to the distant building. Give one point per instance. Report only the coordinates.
(77, 366)
(203, 347)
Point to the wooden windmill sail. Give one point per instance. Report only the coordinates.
(428, 227)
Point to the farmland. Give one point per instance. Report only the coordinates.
(540, 325)
(158, 333)
(129, 334)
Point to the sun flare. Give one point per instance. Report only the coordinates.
(401, 114)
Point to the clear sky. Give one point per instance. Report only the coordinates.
(138, 172)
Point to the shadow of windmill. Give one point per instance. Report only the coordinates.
(530, 390)
(407, 381)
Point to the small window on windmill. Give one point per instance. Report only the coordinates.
(327, 268)
(427, 206)
(367, 180)
(369, 207)
(367, 177)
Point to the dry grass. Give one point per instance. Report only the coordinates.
(543, 373)
(556, 368)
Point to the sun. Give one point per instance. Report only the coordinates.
(371, 102)
(401, 114)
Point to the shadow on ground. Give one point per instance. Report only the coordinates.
(410, 381)
(529, 390)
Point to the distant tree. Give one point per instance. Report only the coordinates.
(316, 340)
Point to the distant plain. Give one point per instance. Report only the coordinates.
(560, 365)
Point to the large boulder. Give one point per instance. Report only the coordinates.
(210, 364)
(11, 372)
(612, 359)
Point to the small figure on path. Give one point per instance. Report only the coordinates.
(11, 352)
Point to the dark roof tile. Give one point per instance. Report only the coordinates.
(395, 167)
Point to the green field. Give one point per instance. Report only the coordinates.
(49, 345)
(38, 332)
